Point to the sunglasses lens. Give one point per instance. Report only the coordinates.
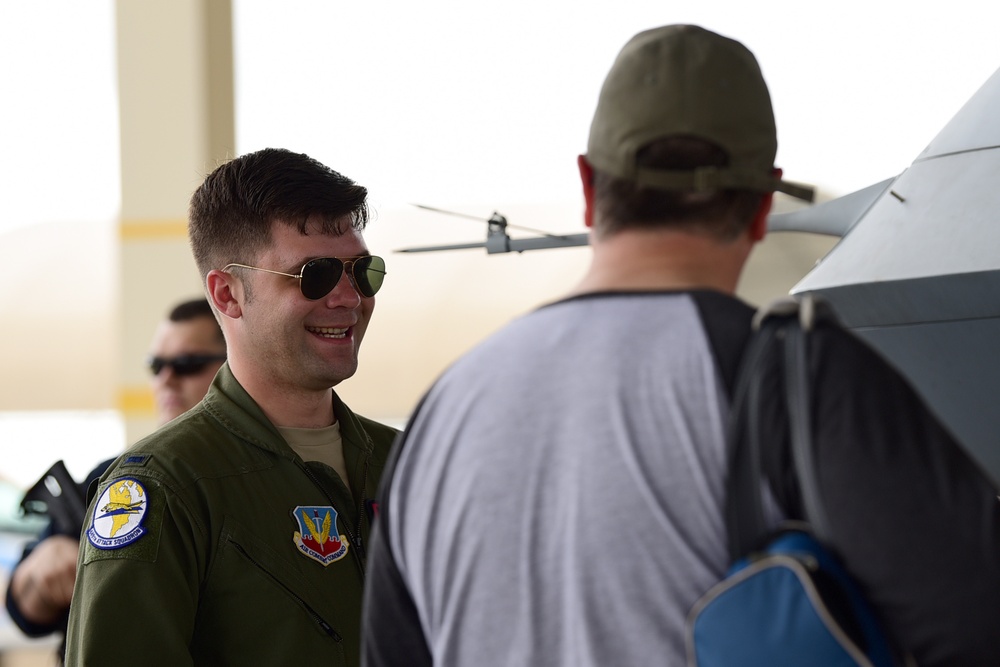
(369, 272)
(184, 366)
(320, 276)
(187, 365)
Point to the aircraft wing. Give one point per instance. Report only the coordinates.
(834, 217)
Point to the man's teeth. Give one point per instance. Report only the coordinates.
(328, 332)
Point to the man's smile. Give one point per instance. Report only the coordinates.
(329, 332)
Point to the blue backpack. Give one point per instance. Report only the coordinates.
(786, 599)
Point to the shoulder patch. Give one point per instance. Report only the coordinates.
(118, 514)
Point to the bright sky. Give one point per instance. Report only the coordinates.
(454, 103)
(443, 102)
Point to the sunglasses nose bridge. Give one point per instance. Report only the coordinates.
(346, 275)
(362, 284)
(349, 265)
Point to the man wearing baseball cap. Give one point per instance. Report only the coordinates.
(557, 497)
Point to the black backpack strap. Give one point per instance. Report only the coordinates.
(779, 337)
(744, 506)
(798, 395)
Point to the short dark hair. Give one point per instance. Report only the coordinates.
(620, 204)
(231, 212)
(192, 310)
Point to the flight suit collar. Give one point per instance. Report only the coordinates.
(230, 403)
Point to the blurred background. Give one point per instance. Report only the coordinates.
(113, 112)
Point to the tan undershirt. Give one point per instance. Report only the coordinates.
(319, 444)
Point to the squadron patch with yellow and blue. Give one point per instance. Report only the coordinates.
(118, 515)
(314, 538)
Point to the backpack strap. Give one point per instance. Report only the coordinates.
(745, 523)
(798, 395)
(780, 333)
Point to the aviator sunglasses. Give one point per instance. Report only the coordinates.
(188, 364)
(318, 277)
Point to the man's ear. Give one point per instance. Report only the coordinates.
(225, 292)
(758, 227)
(587, 178)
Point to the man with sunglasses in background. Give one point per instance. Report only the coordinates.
(236, 535)
(187, 351)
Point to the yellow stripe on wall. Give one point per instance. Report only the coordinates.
(141, 230)
(136, 401)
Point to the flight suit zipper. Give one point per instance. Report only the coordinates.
(358, 550)
(326, 627)
(361, 505)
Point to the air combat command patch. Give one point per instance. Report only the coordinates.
(314, 538)
(118, 515)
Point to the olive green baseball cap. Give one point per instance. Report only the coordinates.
(683, 80)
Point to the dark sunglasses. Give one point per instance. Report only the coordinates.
(188, 364)
(318, 277)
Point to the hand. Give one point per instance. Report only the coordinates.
(42, 585)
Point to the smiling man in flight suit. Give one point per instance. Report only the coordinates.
(236, 534)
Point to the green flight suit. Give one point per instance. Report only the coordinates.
(211, 542)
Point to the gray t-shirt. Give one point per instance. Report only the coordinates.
(570, 509)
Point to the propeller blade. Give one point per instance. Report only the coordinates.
(502, 221)
(441, 210)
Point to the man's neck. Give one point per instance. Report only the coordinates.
(664, 260)
(286, 405)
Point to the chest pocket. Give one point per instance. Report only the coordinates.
(264, 601)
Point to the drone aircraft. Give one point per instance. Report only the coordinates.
(916, 271)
